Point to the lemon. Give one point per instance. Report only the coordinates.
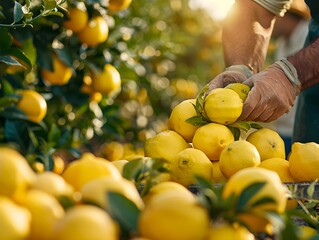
(212, 138)
(236, 156)
(33, 105)
(177, 119)
(113, 150)
(119, 5)
(223, 106)
(86, 222)
(107, 82)
(241, 89)
(119, 164)
(229, 232)
(273, 188)
(58, 164)
(304, 161)
(280, 166)
(268, 143)
(189, 163)
(78, 19)
(306, 232)
(60, 75)
(95, 32)
(14, 220)
(45, 210)
(217, 175)
(16, 176)
(176, 218)
(52, 184)
(95, 191)
(166, 145)
(88, 167)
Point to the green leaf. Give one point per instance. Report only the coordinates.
(5, 39)
(124, 211)
(7, 89)
(245, 126)
(9, 60)
(20, 55)
(235, 131)
(54, 134)
(311, 189)
(17, 12)
(255, 125)
(49, 5)
(197, 121)
(262, 201)
(12, 112)
(133, 168)
(316, 237)
(248, 193)
(30, 50)
(17, 132)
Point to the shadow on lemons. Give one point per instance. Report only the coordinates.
(177, 119)
(189, 163)
(236, 156)
(212, 138)
(280, 166)
(223, 106)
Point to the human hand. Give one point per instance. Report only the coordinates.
(232, 74)
(272, 94)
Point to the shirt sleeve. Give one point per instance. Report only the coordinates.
(277, 7)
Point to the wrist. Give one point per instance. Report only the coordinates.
(246, 70)
(290, 72)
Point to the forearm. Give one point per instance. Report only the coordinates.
(306, 63)
(246, 34)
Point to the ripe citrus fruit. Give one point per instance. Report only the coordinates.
(280, 166)
(113, 150)
(119, 5)
(176, 218)
(241, 89)
(229, 232)
(52, 184)
(273, 188)
(60, 75)
(236, 156)
(95, 191)
(212, 138)
(177, 119)
(86, 222)
(107, 82)
(268, 143)
(95, 32)
(217, 175)
(306, 232)
(33, 105)
(45, 213)
(189, 163)
(166, 145)
(77, 19)
(14, 220)
(223, 106)
(304, 161)
(87, 168)
(16, 175)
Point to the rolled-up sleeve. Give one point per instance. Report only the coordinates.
(277, 7)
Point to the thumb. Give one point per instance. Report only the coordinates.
(249, 82)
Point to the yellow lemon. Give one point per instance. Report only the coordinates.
(217, 175)
(95, 32)
(107, 82)
(33, 105)
(45, 210)
(95, 191)
(212, 138)
(189, 163)
(77, 19)
(119, 5)
(306, 232)
(16, 175)
(223, 106)
(241, 89)
(229, 232)
(176, 218)
(166, 145)
(87, 168)
(268, 143)
(273, 188)
(60, 75)
(177, 119)
(86, 222)
(58, 164)
(53, 184)
(236, 156)
(280, 166)
(14, 220)
(304, 161)
(119, 164)
(113, 150)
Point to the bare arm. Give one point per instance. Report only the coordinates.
(246, 34)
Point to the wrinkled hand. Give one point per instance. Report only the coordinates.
(232, 74)
(271, 96)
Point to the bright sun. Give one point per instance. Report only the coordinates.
(216, 8)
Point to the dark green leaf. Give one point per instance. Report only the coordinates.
(263, 201)
(241, 125)
(20, 55)
(255, 125)
(124, 211)
(316, 237)
(5, 39)
(133, 168)
(197, 121)
(9, 60)
(13, 113)
(17, 132)
(7, 89)
(29, 50)
(18, 12)
(235, 131)
(65, 55)
(290, 231)
(248, 193)
(54, 134)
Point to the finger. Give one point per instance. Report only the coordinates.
(249, 105)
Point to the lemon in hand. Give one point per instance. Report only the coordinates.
(241, 89)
